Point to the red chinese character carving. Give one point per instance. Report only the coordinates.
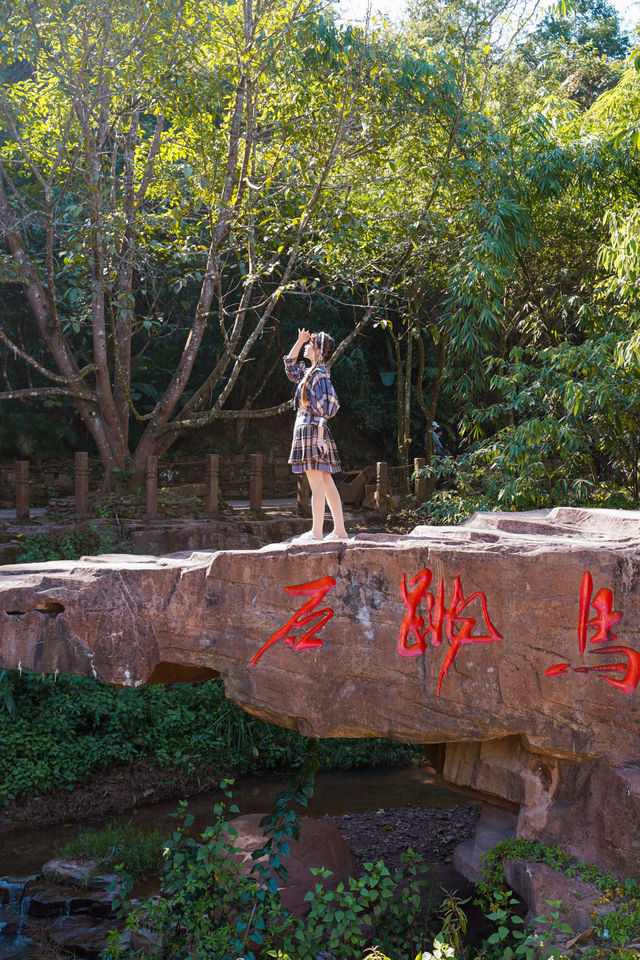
(437, 620)
(606, 619)
(304, 617)
(413, 624)
(631, 668)
(458, 604)
(557, 669)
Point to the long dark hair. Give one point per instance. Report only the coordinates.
(325, 343)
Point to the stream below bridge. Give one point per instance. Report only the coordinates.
(337, 793)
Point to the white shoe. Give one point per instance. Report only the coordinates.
(333, 537)
(307, 537)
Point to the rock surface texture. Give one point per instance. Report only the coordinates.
(511, 641)
(319, 845)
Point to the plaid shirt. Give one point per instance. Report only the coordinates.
(322, 404)
(322, 398)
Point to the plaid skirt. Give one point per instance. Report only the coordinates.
(304, 449)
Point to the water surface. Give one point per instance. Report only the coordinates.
(22, 852)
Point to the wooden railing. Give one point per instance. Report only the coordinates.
(385, 480)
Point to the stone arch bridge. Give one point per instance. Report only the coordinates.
(510, 644)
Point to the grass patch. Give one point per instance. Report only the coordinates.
(137, 852)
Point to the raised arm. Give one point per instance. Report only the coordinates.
(295, 370)
(303, 336)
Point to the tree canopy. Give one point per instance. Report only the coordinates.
(177, 187)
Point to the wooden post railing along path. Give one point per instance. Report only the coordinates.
(212, 486)
(212, 483)
(382, 485)
(255, 482)
(22, 490)
(420, 482)
(81, 463)
(151, 487)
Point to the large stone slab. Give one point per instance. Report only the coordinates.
(513, 639)
(319, 844)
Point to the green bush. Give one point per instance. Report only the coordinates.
(57, 731)
(562, 431)
(342, 920)
(214, 909)
(86, 539)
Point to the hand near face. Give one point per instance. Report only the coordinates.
(303, 335)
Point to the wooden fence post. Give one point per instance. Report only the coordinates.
(22, 490)
(382, 485)
(151, 486)
(303, 495)
(420, 482)
(81, 462)
(212, 483)
(255, 482)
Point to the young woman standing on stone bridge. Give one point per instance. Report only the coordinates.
(313, 450)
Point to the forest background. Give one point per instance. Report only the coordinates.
(456, 198)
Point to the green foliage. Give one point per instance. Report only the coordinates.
(85, 539)
(563, 430)
(62, 729)
(210, 908)
(139, 853)
(203, 881)
(620, 927)
(340, 920)
(512, 941)
(594, 23)
(214, 907)
(534, 852)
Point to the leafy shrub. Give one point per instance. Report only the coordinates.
(379, 901)
(562, 430)
(615, 931)
(213, 908)
(83, 540)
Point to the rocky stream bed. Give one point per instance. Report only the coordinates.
(59, 910)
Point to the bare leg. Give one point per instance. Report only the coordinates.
(317, 501)
(335, 505)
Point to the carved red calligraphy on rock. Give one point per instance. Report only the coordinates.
(603, 623)
(304, 617)
(630, 668)
(606, 619)
(415, 630)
